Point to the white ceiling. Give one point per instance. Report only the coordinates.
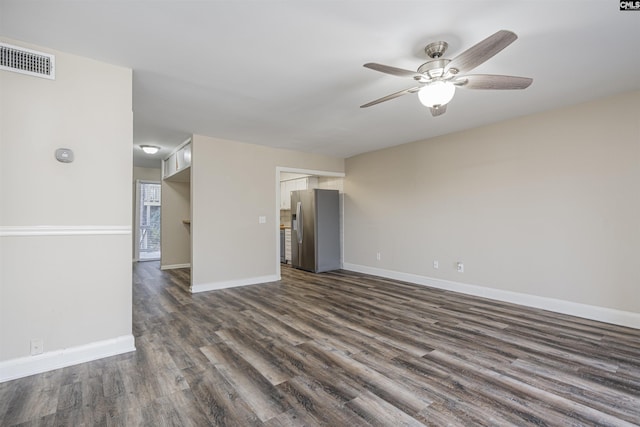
(289, 73)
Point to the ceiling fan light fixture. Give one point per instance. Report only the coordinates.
(150, 149)
(438, 77)
(436, 93)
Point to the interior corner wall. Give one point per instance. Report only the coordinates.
(546, 205)
(65, 228)
(175, 235)
(232, 185)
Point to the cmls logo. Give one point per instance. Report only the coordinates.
(629, 5)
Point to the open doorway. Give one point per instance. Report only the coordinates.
(148, 207)
(290, 179)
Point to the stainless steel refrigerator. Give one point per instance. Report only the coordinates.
(315, 230)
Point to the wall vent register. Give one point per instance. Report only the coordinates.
(27, 61)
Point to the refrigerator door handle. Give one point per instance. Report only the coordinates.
(300, 221)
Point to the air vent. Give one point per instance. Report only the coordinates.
(27, 61)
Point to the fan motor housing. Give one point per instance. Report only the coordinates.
(434, 68)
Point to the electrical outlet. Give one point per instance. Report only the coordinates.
(262, 219)
(460, 267)
(37, 347)
(378, 256)
(436, 264)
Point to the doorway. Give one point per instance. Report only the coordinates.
(148, 205)
(323, 179)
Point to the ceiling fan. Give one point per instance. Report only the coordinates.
(438, 78)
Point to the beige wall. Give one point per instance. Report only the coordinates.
(146, 174)
(232, 184)
(545, 205)
(143, 174)
(175, 234)
(65, 228)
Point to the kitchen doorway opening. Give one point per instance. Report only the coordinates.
(287, 180)
(148, 208)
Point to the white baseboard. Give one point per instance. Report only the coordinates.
(31, 365)
(173, 266)
(592, 312)
(232, 283)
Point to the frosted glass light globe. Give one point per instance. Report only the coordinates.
(436, 93)
(150, 149)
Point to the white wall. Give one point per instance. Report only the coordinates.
(65, 233)
(232, 184)
(546, 206)
(146, 174)
(175, 234)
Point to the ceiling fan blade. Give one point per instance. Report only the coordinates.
(393, 95)
(392, 70)
(479, 53)
(491, 81)
(438, 110)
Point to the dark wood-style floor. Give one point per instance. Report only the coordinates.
(339, 349)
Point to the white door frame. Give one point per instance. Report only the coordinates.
(136, 217)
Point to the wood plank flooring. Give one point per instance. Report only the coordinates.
(339, 349)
